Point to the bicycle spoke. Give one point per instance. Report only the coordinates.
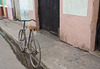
(36, 53)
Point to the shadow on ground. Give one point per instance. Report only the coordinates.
(21, 56)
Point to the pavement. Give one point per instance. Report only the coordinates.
(8, 59)
(55, 53)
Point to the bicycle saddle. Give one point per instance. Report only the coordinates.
(33, 27)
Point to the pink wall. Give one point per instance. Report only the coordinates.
(10, 15)
(94, 23)
(79, 31)
(33, 14)
(36, 13)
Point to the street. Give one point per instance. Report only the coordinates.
(8, 59)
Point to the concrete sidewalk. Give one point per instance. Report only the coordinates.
(8, 59)
(55, 54)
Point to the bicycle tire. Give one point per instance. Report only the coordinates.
(21, 35)
(22, 40)
(35, 55)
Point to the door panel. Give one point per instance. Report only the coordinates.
(49, 15)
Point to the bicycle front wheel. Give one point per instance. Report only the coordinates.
(21, 39)
(35, 55)
(21, 35)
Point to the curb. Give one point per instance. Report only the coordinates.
(15, 40)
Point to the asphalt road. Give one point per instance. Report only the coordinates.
(8, 59)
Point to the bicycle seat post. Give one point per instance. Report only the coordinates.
(24, 25)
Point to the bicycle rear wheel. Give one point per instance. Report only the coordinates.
(22, 39)
(35, 55)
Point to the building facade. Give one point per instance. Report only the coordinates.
(75, 21)
(78, 22)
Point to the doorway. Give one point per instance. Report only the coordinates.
(97, 44)
(49, 15)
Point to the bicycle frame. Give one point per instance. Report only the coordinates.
(24, 25)
(25, 35)
(26, 43)
(29, 39)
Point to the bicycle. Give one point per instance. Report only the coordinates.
(31, 46)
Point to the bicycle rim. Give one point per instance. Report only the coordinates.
(21, 35)
(35, 55)
(22, 40)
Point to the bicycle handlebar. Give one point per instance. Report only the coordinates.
(25, 20)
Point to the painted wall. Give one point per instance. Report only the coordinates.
(1, 7)
(17, 9)
(1, 12)
(78, 22)
(9, 9)
(26, 9)
(4, 2)
(0, 2)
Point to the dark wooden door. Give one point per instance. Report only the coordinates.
(49, 15)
